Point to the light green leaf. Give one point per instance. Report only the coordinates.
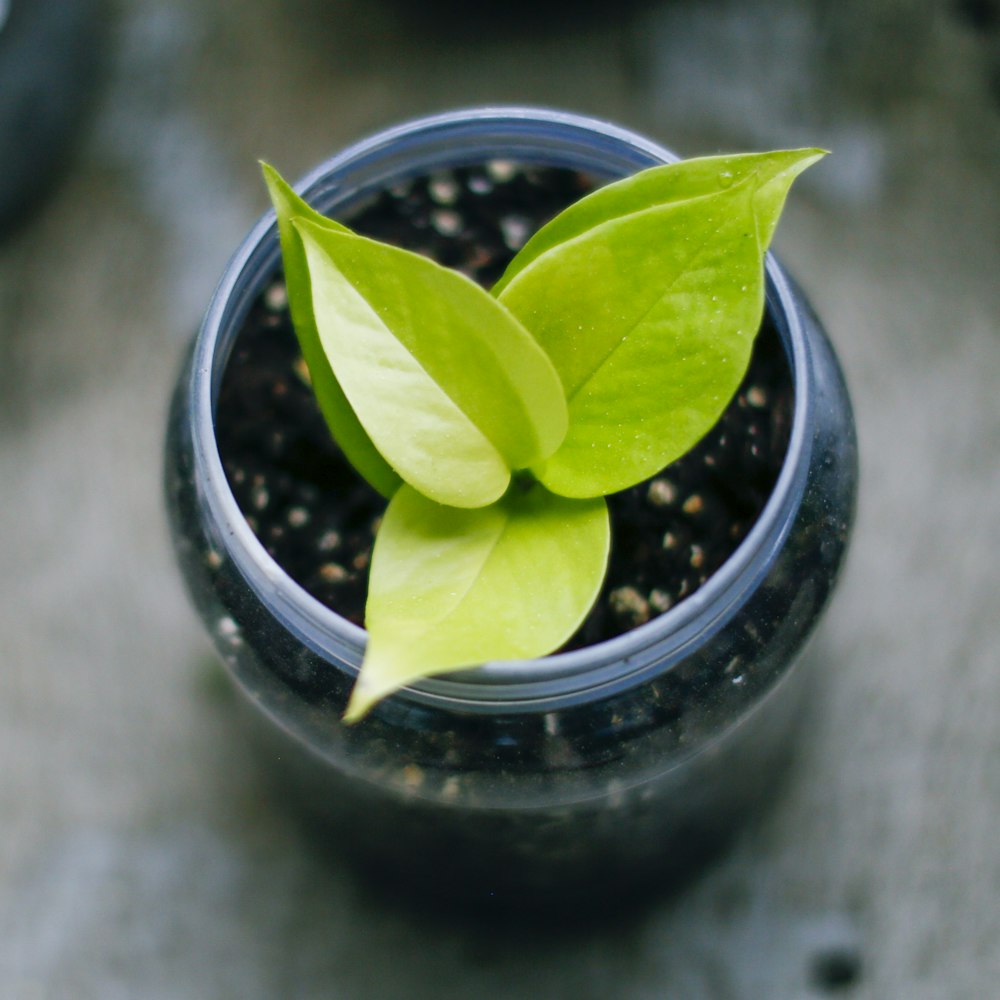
(340, 418)
(694, 178)
(453, 588)
(451, 389)
(649, 319)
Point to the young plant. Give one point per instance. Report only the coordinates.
(495, 422)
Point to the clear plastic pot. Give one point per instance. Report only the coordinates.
(569, 779)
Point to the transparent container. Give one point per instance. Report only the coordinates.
(567, 780)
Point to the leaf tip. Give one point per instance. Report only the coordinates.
(806, 158)
(376, 681)
(272, 178)
(358, 705)
(813, 155)
(284, 200)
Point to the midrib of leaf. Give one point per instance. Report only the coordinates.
(473, 580)
(502, 378)
(686, 269)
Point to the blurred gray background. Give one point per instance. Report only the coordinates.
(140, 855)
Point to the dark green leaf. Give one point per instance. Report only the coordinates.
(340, 418)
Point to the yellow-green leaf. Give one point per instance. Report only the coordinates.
(681, 181)
(453, 588)
(649, 318)
(451, 389)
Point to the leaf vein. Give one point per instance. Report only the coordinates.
(685, 269)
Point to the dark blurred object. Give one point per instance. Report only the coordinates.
(983, 17)
(451, 22)
(51, 53)
(511, 15)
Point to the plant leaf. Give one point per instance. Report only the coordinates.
(686, 179)
(649, 319)
(340, 418)
(451, 588)
(451, 389)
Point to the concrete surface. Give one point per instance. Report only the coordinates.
(139, 855)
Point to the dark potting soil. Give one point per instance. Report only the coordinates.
(317, 517)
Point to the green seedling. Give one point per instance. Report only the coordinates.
(495, 422)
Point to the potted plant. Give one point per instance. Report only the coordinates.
(608, 767)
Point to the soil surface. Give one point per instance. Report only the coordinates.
(317, 517)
